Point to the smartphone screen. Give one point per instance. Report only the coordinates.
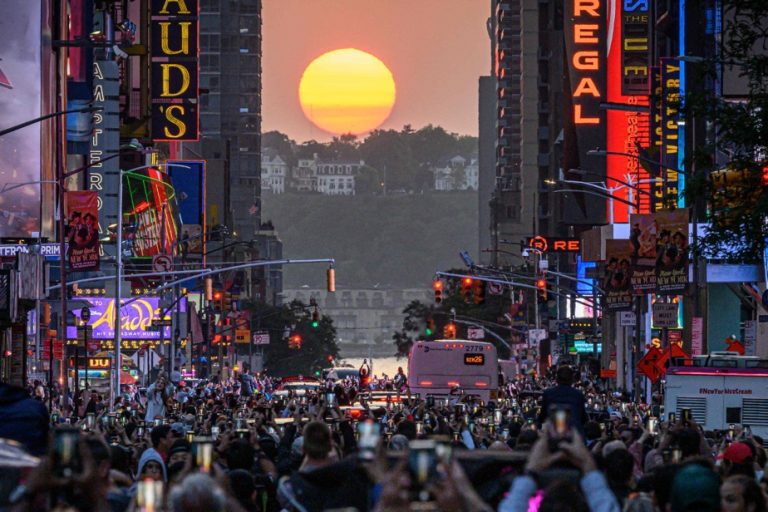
(203, 452)
(215, 432)
(498, 416)
(368, 438)
(422, 466)
(149, 495)
(66, 456)
(651, 425)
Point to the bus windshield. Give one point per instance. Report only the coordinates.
(436, 367)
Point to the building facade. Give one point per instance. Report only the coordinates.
(274, 171)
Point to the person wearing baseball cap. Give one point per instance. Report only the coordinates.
(737, 459)
(695, 488)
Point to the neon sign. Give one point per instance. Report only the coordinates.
(175, 69)
(586, 60)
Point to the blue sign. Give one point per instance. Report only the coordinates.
(189, 185)
(584, 284)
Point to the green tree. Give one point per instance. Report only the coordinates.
(368, 181)
(295, 318)
(736, 137)
(282, 144)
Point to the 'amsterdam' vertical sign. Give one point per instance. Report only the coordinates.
(175, 68)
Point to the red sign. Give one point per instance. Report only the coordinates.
(607, 374)
(58, 350)
(552, 244)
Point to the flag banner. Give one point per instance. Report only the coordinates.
(617, 280)
(642, 239)
(671, 251)
(81, 210)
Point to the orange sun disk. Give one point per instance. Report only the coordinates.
(347, 91)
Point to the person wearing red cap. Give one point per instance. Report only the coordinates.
(737, 459)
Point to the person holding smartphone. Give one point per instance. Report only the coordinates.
(158, 394)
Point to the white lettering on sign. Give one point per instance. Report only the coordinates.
(726, 391)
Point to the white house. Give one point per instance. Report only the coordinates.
(337, 178)
(457, 173)
(273, 172)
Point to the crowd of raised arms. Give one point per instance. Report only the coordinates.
(240, 442)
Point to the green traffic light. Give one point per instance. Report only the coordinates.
(317, 373)
(429, 331)
(315, 323)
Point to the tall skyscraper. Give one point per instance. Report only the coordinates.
(230, 137)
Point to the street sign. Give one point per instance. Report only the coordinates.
(261, 338)
(161, 263)
(627, 318)
(536, 335)
(161, 322)
(475, 333)
(242, 336)
(665, 315)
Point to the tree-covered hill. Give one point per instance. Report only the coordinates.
(394, 241)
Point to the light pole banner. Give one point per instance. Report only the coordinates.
(671, 251)
(81, 213)
(642, 239)
(617, 281)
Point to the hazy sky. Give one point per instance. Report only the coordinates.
(436, 50)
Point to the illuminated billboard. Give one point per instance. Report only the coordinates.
(20, 101)
(136, 318)
(628, 64)
(151, 213)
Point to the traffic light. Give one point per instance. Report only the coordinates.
(294, 342)
(330, 276)
(226, 302)
(430, 326)
(330, 358)
(541, 284)
(449, 331)
(218, 297)
(437, 284)
(315, 318)
(466, 289)
(479, 297)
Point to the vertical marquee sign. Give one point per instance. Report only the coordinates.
(670, 115)
(635, 47)
(175, 70)
(584, 32)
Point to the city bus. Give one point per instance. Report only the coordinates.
(437, 367)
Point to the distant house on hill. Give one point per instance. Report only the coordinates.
(273, 171)
(328, 177)
(456, 173)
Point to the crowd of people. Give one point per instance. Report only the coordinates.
(554, 443)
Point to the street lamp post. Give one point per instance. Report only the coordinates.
(85, 316)
(134, 145)
(119, 273)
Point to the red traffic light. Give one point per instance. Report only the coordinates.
(467, 281)
(437, 284)
(217, 296)
(541, 284)
(330, 358)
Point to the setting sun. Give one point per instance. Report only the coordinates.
(347, 91)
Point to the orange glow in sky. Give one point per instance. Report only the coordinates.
(347, 91)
